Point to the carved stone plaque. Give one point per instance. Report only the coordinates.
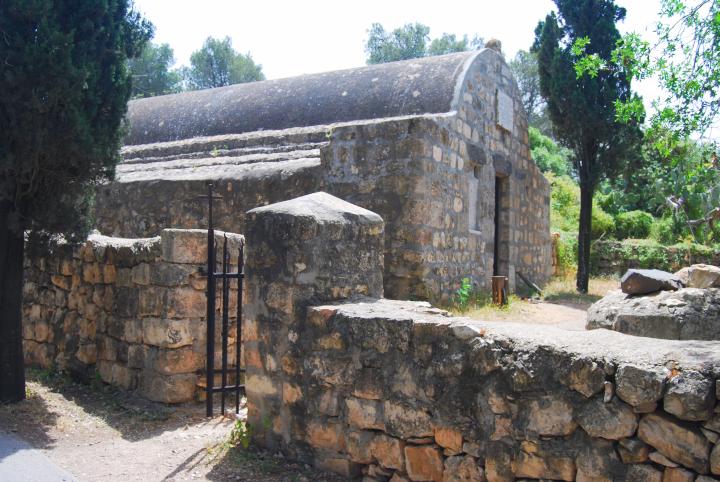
(505, 110)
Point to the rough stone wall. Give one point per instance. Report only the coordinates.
(483, 146)
(428, 176)
(248, 170)
(616, 257)
(394, 390)
(133, 310)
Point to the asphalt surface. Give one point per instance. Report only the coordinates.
(19, 462)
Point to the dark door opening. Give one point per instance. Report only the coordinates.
(501, 235)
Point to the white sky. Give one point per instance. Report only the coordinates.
(298, 37)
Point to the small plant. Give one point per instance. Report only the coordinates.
(463, 294)
(241, 434)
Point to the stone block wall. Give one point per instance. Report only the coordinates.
(397, 390)
(131, 310)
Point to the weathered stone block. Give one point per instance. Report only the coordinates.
(167, 333)
(178, 360)
(681, 444)
(462, 469)
(168, 388)
(690, 396)
(388, 451)
(405, 422)
(449, 438)
(535, 463)
(365, 414)
(424, 462)
(640, 386)
(614, 420)
(326, 435)
(552, 416)
(358, 446)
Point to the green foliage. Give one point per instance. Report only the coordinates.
(449, 43)
(525, 69)
(633, 224)
(152, 73)
(462, 295)
(566, 246)
(412, 41)
(685, 59)
(64, 90)
(651, 254)
(217, 64)
(241, 434)
(581, 108)
(549, 156)
(603, 224)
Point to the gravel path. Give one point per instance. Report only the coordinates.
(97, 433)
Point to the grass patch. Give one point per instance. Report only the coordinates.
(561, 290)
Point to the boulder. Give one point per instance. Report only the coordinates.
(644, 281)
(685, 314)
(700, 276)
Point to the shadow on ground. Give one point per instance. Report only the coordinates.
(135, 418)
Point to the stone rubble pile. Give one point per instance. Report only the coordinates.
(656, 304)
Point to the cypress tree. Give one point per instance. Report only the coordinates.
(582, 109)
(64, 87)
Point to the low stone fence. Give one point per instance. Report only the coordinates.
(132, 310)
(616, 257)
(400, 391)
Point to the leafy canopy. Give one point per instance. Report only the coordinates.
(152, 73)
(217, 64)
(64, 90)
(412, 41)
(685, 60)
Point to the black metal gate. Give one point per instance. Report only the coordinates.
(226, 277)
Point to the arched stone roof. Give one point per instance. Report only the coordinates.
(419, 86)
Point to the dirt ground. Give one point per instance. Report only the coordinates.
(559, 306)
(98, 433)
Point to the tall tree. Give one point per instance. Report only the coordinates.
(582, 109)
(63, 96)
(412, 41)
(448, 43)
(152, 72)
(217, 64)
(525, 69)
(406, 42)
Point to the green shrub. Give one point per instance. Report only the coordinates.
(567, 252)
(633, 224)
(662, 231)
(602, 223)
(565, 209)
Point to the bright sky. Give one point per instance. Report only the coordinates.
(299, 37)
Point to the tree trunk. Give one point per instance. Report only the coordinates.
(12, 370)
(584, 237)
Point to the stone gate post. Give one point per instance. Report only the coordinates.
(306, 251)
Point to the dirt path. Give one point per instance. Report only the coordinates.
(98, 433)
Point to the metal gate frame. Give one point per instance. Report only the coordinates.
(212, 278)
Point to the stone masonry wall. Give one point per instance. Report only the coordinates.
(392, 390)
(133, 310)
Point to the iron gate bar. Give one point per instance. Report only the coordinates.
(238, 323)
(210, 318)
(225, 294)
(212, 278)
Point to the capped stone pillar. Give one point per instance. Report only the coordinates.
(306, 251)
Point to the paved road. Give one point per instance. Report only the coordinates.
(19, 462)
